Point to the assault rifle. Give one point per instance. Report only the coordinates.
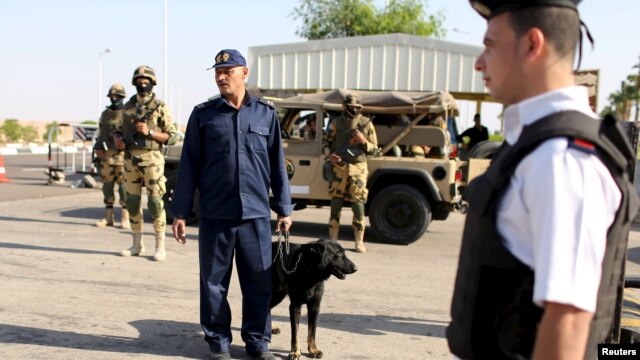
(346, 151)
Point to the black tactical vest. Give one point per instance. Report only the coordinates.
(493, 315)
(353, 153)
(134, 112)
(110, 121)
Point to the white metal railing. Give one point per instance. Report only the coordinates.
(71, 148)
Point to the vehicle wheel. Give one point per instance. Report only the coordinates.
(400, 214)
(194, 216)
(484, 150)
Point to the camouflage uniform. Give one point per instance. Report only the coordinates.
(112, 166)
(434, 152)
(144, 163)
(349, 180)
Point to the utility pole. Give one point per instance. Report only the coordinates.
(100, 90)
(165, 52)
(638, 90)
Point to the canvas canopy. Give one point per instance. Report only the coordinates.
(382, 102)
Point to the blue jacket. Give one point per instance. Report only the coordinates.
(233, 157)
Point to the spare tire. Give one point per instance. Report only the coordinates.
(484, 149)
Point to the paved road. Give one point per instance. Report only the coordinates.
(66, 294)
(28, 179)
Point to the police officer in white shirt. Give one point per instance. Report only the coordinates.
(545, 235)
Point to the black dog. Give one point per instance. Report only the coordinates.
(301, 275)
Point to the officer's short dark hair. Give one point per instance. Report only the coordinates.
(560, 26)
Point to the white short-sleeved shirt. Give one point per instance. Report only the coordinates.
(558, 206)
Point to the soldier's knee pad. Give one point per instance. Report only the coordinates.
(336, 207)
(155, 205)
(133, 204)
(107, 189)
(358, 211)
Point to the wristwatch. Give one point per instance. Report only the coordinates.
(150, 133)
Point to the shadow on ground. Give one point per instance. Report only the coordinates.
(98, 213)
(374, 324)
(157, 337)
(173, 338)
(316, 230)
(5, 245)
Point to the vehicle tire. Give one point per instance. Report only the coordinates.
(194, 216)
(484, 150)
(399, 214)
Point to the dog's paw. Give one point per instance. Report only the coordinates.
(275, 330)
(315, 353)
(294, 355)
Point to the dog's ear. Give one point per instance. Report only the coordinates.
(317, 247)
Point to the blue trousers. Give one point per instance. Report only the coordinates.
(250, 240)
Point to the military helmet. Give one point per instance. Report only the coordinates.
(146, 72)
(352, 100)
(117, 89)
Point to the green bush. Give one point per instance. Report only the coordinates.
(30, 133)
(12, 130)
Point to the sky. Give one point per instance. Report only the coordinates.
(52, 49)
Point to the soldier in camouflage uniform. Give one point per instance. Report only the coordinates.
(147, 125)
(434, 152)
(111, 160)
(351, 137)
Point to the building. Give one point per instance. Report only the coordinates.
(398, 62)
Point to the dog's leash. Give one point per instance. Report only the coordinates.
(281, 252)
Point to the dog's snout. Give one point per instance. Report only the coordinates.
(351, 266)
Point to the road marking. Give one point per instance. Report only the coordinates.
(34, 169)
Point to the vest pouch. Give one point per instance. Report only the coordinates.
(139, 140)
(349, 157)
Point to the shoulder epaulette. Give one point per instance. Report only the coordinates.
(204, 105)
(267, 102)
(582, 145)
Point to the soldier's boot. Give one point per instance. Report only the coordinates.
(161, 253)
(124, 219)
(334, 228)
(137, 249)
(359, 237)
(108, 219)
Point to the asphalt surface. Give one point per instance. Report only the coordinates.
(66, 293)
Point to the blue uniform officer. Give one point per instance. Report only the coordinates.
(233, 155)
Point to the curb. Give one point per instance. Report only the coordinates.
(39, 150)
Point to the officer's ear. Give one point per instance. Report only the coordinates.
(533, 43)
(245, 72)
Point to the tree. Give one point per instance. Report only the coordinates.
(326, 19)
(54, 136)
(12, 130)
(89, 122)
(622, 101)
(30, 133)
(407, 17)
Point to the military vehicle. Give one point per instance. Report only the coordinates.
(405, 193)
